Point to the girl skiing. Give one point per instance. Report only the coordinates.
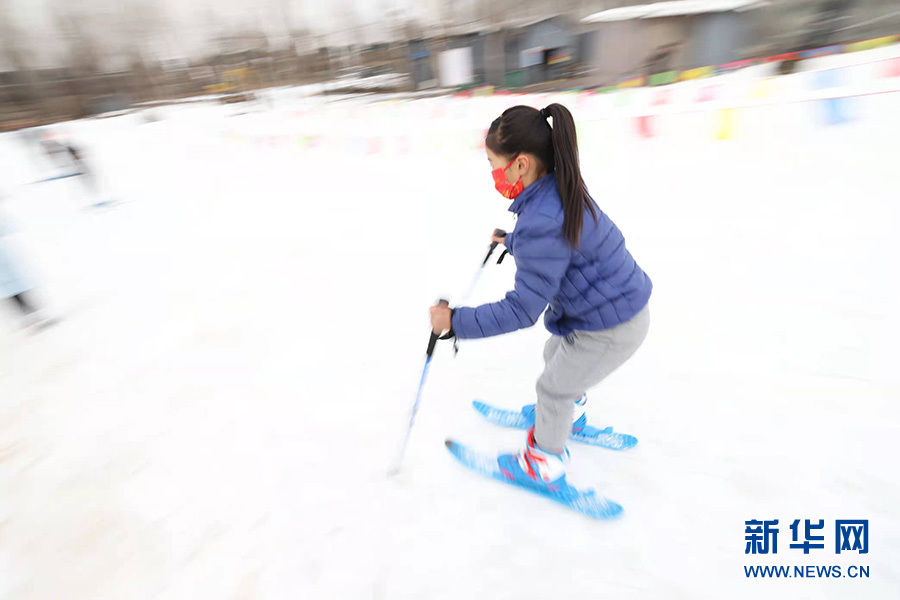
(569, 255)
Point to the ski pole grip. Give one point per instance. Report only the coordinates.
(432, 340)
(498, 233)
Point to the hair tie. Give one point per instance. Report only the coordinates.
(545, 113)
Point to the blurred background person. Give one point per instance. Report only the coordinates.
(67, 159)
(15, 287)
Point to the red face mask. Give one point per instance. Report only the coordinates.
(507, 189)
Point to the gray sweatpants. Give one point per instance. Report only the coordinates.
(574, 363)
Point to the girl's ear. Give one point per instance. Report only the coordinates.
(523, 163)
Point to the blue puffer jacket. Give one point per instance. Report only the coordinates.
(595, 287)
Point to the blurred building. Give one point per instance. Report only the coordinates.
(113, 62)
(644, 39)
(631, 38)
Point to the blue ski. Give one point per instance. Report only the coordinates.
(605, 438)
(586, 502)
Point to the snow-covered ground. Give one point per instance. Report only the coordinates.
(243, 334)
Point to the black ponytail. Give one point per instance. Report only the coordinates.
(572, 189)
(524, 129)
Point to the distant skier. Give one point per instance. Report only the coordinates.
(66, 155)
(87, 174)
(17, 289)
(61, 155)
(571, 256)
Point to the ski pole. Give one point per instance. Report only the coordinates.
(493, 246)
(56, 177)
(477, 276)
(432, 341)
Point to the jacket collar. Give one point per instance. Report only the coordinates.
(530, 192)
